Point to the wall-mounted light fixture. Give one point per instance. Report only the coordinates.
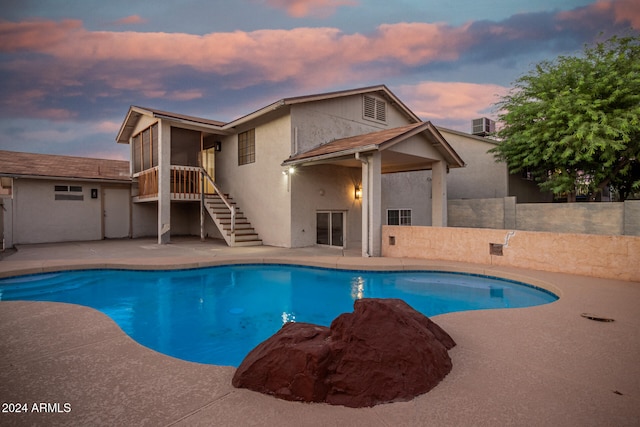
(357, 192)
(288, 173)
(218, 146)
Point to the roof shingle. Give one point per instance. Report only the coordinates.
(14, 163)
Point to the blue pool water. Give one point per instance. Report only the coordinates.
(217, 315)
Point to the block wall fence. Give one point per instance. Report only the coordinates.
(604, 256)
(618, 219)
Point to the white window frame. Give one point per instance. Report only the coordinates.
(405, 219)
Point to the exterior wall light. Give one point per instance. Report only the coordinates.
(357, 192)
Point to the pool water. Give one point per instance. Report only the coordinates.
(216, 315)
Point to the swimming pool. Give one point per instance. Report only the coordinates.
(216, 315)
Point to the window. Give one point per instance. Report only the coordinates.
(398, 216)
(145, 149)
(374, 109)
(247, 147)
(62, 192)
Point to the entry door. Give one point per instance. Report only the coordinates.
(330, 228)
(208, 164)
(116, 202)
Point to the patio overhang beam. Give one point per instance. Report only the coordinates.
(322, 158)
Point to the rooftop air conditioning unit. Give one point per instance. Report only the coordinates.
(483, 126)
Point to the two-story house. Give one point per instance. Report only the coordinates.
(301, 171)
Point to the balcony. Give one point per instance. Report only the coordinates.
(185, 184)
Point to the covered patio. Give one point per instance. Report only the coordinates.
(415, 147)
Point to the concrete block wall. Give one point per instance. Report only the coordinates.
(611, 257)
(582, 218)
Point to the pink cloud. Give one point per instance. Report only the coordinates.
(107, 126)
(36, 35)
(452, 104)
(622, 10)
(130, 20)
(269, 55)
(302, 8)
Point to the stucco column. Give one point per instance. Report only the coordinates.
(365, 207)
(439, 194)
(375, 204)
(164, 183)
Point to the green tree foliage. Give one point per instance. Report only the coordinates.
(574, 122)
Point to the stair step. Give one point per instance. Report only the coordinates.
(245, 234)
(241, 226)
(246, 238)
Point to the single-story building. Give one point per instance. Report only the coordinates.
(48, 198)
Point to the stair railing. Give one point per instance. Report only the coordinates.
(206, 177)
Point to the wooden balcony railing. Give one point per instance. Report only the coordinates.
(185, 183)
(147, 183)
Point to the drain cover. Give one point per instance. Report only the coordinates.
(596, 317)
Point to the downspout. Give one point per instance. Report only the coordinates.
(365, 206)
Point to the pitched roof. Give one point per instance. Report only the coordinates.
(134, 114)
(18, 164)
(378, 141)
(381, 90)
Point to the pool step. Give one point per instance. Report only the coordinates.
(244, 235)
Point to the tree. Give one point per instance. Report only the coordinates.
(574, 122)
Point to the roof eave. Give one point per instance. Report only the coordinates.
(329, 156)
(67, 178)
(455, 161)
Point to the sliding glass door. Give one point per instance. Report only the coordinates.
(330, 228)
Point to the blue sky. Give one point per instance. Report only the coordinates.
(69, 70)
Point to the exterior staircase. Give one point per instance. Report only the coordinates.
(244, 234)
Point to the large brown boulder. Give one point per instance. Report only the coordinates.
(384, 351)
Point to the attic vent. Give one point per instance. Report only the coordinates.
(374, 109)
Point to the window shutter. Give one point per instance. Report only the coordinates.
(369, 107)
(381, 111)
(374, 109)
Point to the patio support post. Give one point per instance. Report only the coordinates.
(439, 194)
(365, 205)
(164, 183)
(374, 203)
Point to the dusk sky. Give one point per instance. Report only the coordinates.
(70, 69)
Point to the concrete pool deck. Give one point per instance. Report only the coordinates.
(536, 366)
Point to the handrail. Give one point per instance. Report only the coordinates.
(206, 176)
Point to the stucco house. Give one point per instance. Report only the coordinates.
(327, 169)
(301, 171)
(48, 198)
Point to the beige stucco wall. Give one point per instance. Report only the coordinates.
(614, 257)
(260, 189)
(39, 218)
(144, 219)
(324, 188)
(482, 177)
(323, 121)
(408, 190)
